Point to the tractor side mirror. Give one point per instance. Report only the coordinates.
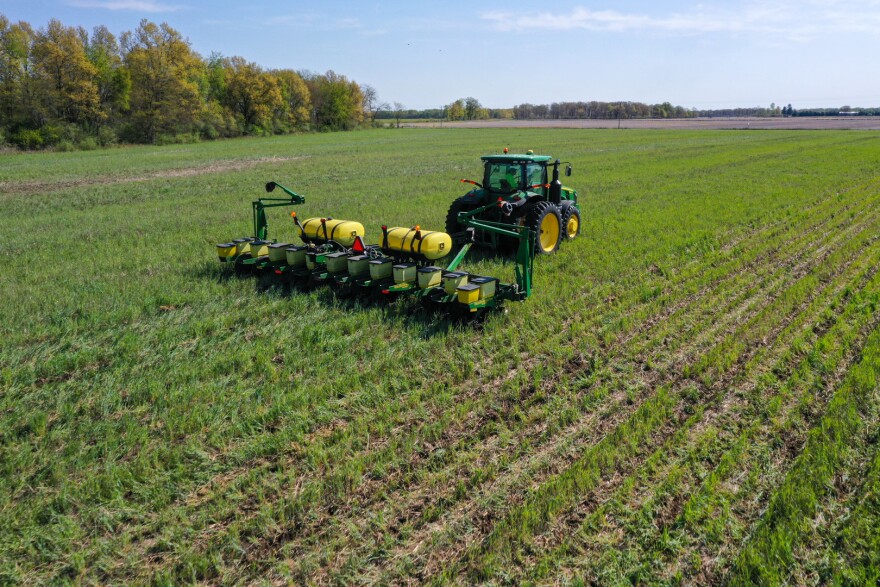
(568, 171)
(270, 186)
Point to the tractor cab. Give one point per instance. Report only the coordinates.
(507, 174)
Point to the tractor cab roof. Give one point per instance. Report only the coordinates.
(516, 158)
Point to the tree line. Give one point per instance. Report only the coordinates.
(615, 110)
(65, 87)
(600, 110)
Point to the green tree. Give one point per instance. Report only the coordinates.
(472, 108)
(215, 77)
(20, 103)
(337, 103)
(165, 75)
(112, 79)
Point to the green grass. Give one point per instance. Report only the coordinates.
(689, 395)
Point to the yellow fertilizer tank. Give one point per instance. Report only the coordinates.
(426, 243)
(328, 229)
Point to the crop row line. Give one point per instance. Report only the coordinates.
(764, 325)
(299, 534)
(768, 555)
(272, 465)
(719, 441)
(368, 490)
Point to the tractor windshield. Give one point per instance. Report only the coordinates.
(503, 177)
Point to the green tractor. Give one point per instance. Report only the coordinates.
(516, 190)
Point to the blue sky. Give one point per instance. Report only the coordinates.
(696, 54)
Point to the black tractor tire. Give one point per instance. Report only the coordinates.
(571, 223)
(544, 220)
(458, 205)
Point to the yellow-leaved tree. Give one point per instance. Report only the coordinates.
(253, 95)
(297, 100)
(68, 77)
(165, 74)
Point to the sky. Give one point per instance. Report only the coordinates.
(707, 54)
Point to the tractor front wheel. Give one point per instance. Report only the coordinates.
(544, 220)
(571, 223)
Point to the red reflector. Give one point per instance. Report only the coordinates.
(386, 292)
(358, 246)
(278, 272)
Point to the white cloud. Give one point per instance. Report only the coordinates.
(792, 20)
(135, 5)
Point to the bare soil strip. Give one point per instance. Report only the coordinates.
(217, 166)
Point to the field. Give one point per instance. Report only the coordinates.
(714, 123)
(689, 396)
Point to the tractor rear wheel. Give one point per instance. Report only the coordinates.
(571, 223)
(544, 220)
(458, 205)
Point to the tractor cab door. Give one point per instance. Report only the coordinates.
(536, 174)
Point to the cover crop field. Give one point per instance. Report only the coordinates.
(689, 396)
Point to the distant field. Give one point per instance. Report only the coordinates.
(793, 123)
(691, 395)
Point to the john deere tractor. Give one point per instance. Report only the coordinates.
(516, 190)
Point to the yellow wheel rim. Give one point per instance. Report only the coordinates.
(572, 227)
(549, 236)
